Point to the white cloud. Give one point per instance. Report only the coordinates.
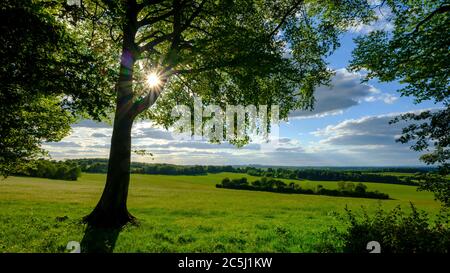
(384, 15)
(389, 98)
(98, 135)
(345, 91)
(371, 125)
(372, 135)
(151, 132)
(357, 142)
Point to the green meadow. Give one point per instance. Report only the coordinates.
(183, 214)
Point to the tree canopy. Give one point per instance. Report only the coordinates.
(47, 78)
(236, 52)
(415, 53)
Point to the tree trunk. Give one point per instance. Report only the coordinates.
(111, 211)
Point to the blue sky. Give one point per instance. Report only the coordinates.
(349, 127)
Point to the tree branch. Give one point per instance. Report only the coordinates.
(111, 30)
(150, 45)
(148, 3)
(193, 15)
(440, 10)
(151, 35)
(147, 101)
(151, 20)
(178, 28)
(193, 27)
(232, 63)
(200, 29)
(194, 70)
(284, 18)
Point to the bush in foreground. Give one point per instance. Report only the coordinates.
(398, 232)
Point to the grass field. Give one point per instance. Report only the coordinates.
(182, 214)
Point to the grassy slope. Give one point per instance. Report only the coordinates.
(181, 214)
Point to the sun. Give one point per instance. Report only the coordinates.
(153, 80)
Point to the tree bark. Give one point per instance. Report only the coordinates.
(111, 211)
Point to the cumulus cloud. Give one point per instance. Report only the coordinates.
(389, 98)
(63, 144)
(294, 149)
(98, 135)
(151, 132)
(371, 125)
(345, 91)
(363, 139)
(371, 131)
(383, 22)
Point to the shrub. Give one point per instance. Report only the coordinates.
(398, 232)
(226, 181)
(273, 185)
(345, 186)
(360, 188)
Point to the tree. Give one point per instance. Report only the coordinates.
(360, 188)
(47, 78)
(225, 52)
(415, 53)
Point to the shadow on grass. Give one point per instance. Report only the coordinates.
(99, 240)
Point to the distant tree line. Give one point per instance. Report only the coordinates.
(329, 175)
(96, 165)
(64, 170)
(101, 166)
(345, 189)
(400, 169)
(370, 169)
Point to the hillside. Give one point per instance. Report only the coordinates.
(182, 214)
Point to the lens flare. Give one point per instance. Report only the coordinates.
(153, 80)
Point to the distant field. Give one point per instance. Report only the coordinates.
(182, 214)
(395, 173)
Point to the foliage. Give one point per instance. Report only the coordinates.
(50, 169)
(415, 53)
(346, 189)
(398, 232)
(48, 76)
(437, 184)
(25, 127)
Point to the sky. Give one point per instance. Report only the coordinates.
(348, 127)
